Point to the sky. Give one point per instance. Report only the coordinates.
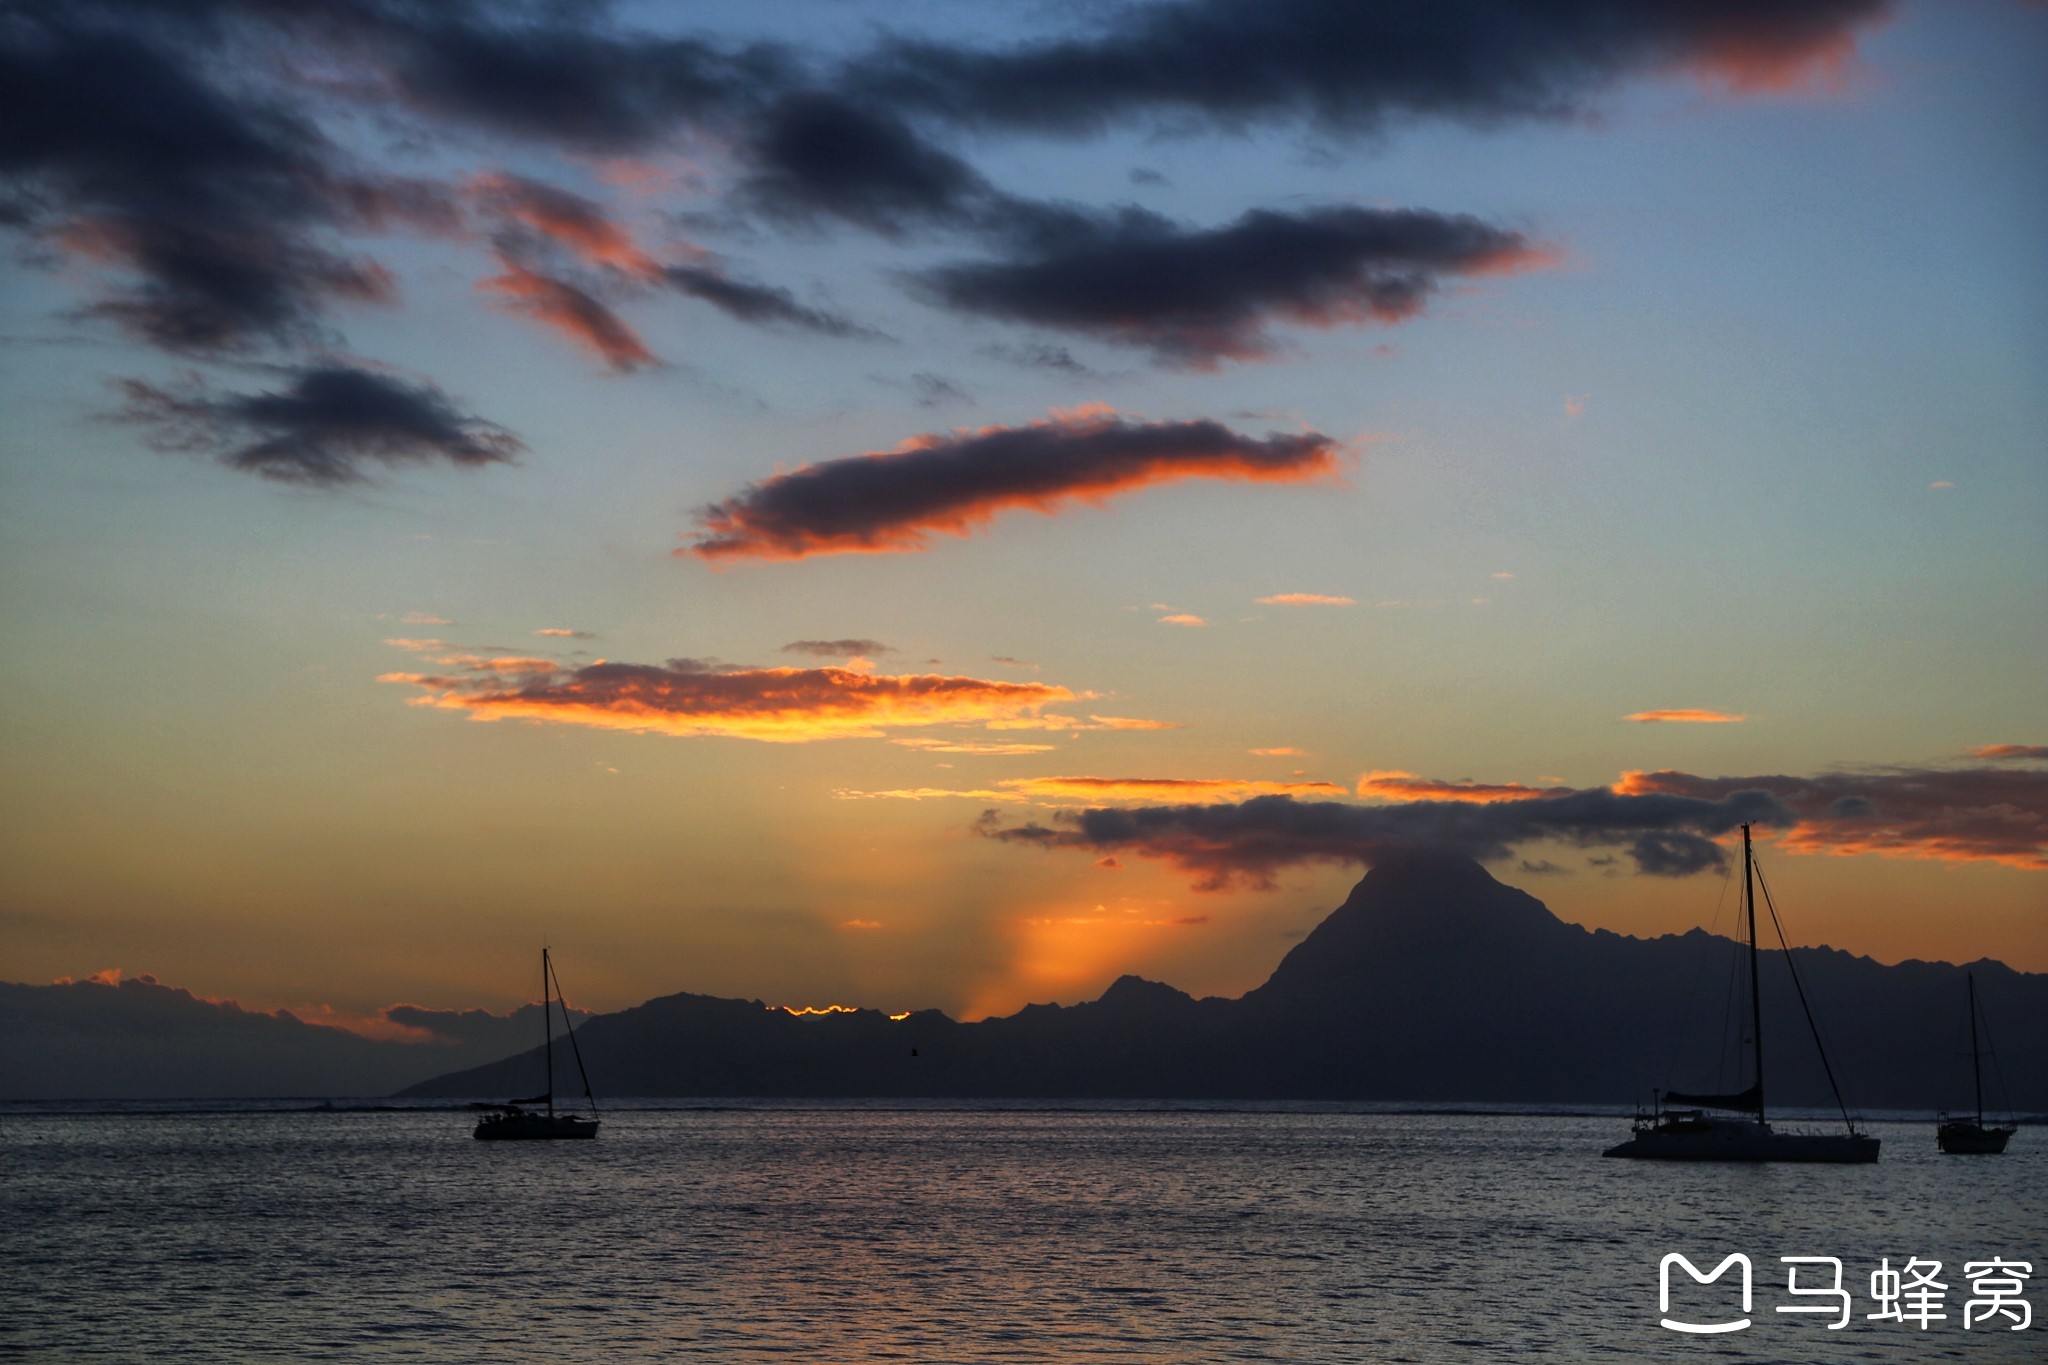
(942, 506)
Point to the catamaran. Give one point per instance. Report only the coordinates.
(513, 1119)
(1974, 1137)
(1732, 1127)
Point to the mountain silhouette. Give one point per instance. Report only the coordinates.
(1431, 982)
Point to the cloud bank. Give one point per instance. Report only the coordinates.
(1666, 822)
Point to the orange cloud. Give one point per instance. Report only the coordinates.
(1284, 751)
(566, 219)
(1400, 786)
(892, 502)
(932, 744)
(2009, 752)
(1072, 724)
(1182, 618)
(688, 697)
(572, 312)
(1306, 599)
(105, 976)
(1685, 716)
(1113, 790)
(1161, 789)
(1751, 64)
(923, 794)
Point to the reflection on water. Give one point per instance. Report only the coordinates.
(860, 1233)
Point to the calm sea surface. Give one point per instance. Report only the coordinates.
(853, 1233)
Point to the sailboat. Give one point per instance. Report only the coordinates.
(513, 1119)
(1732, 1127)
(1966, 1137)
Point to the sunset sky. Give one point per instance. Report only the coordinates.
(943, 505)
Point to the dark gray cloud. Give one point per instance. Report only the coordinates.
(893, 501)
(837, 649)
(935, 390)
(1353, 64)
(760, 304)
(1251, 841)
(322, 428)
(116, 148)
(560, 73)
(819, 156)
(1195, 297)
(1039, 355)
(1995, 815)
(177, 148)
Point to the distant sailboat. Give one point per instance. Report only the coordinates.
(1691, 1133)
(513, 1120)
(1966, 1137)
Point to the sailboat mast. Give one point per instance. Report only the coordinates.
(547, 1034)
(1976, 1062)
(1756, 1009)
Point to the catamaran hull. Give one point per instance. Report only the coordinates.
(1819, 1147)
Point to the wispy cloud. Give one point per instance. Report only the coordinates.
(1400, 786)
(838, 649)
(1155, 790)
(893, 501)
(2008, 752)
(991, 748)
(690, 697)
(1060, 791)
(571, 310)
(1306, 599)
(1685, 716)
(1182, 618)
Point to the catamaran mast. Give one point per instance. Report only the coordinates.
(1976, 1063)
(548, 1037)
(1756, 1009)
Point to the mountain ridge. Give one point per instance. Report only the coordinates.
(1432, 981)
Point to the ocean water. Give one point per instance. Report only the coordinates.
(950, 1233)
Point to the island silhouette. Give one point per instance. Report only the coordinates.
(1433, 982)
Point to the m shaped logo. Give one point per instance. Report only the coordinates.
(1664, 1292)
